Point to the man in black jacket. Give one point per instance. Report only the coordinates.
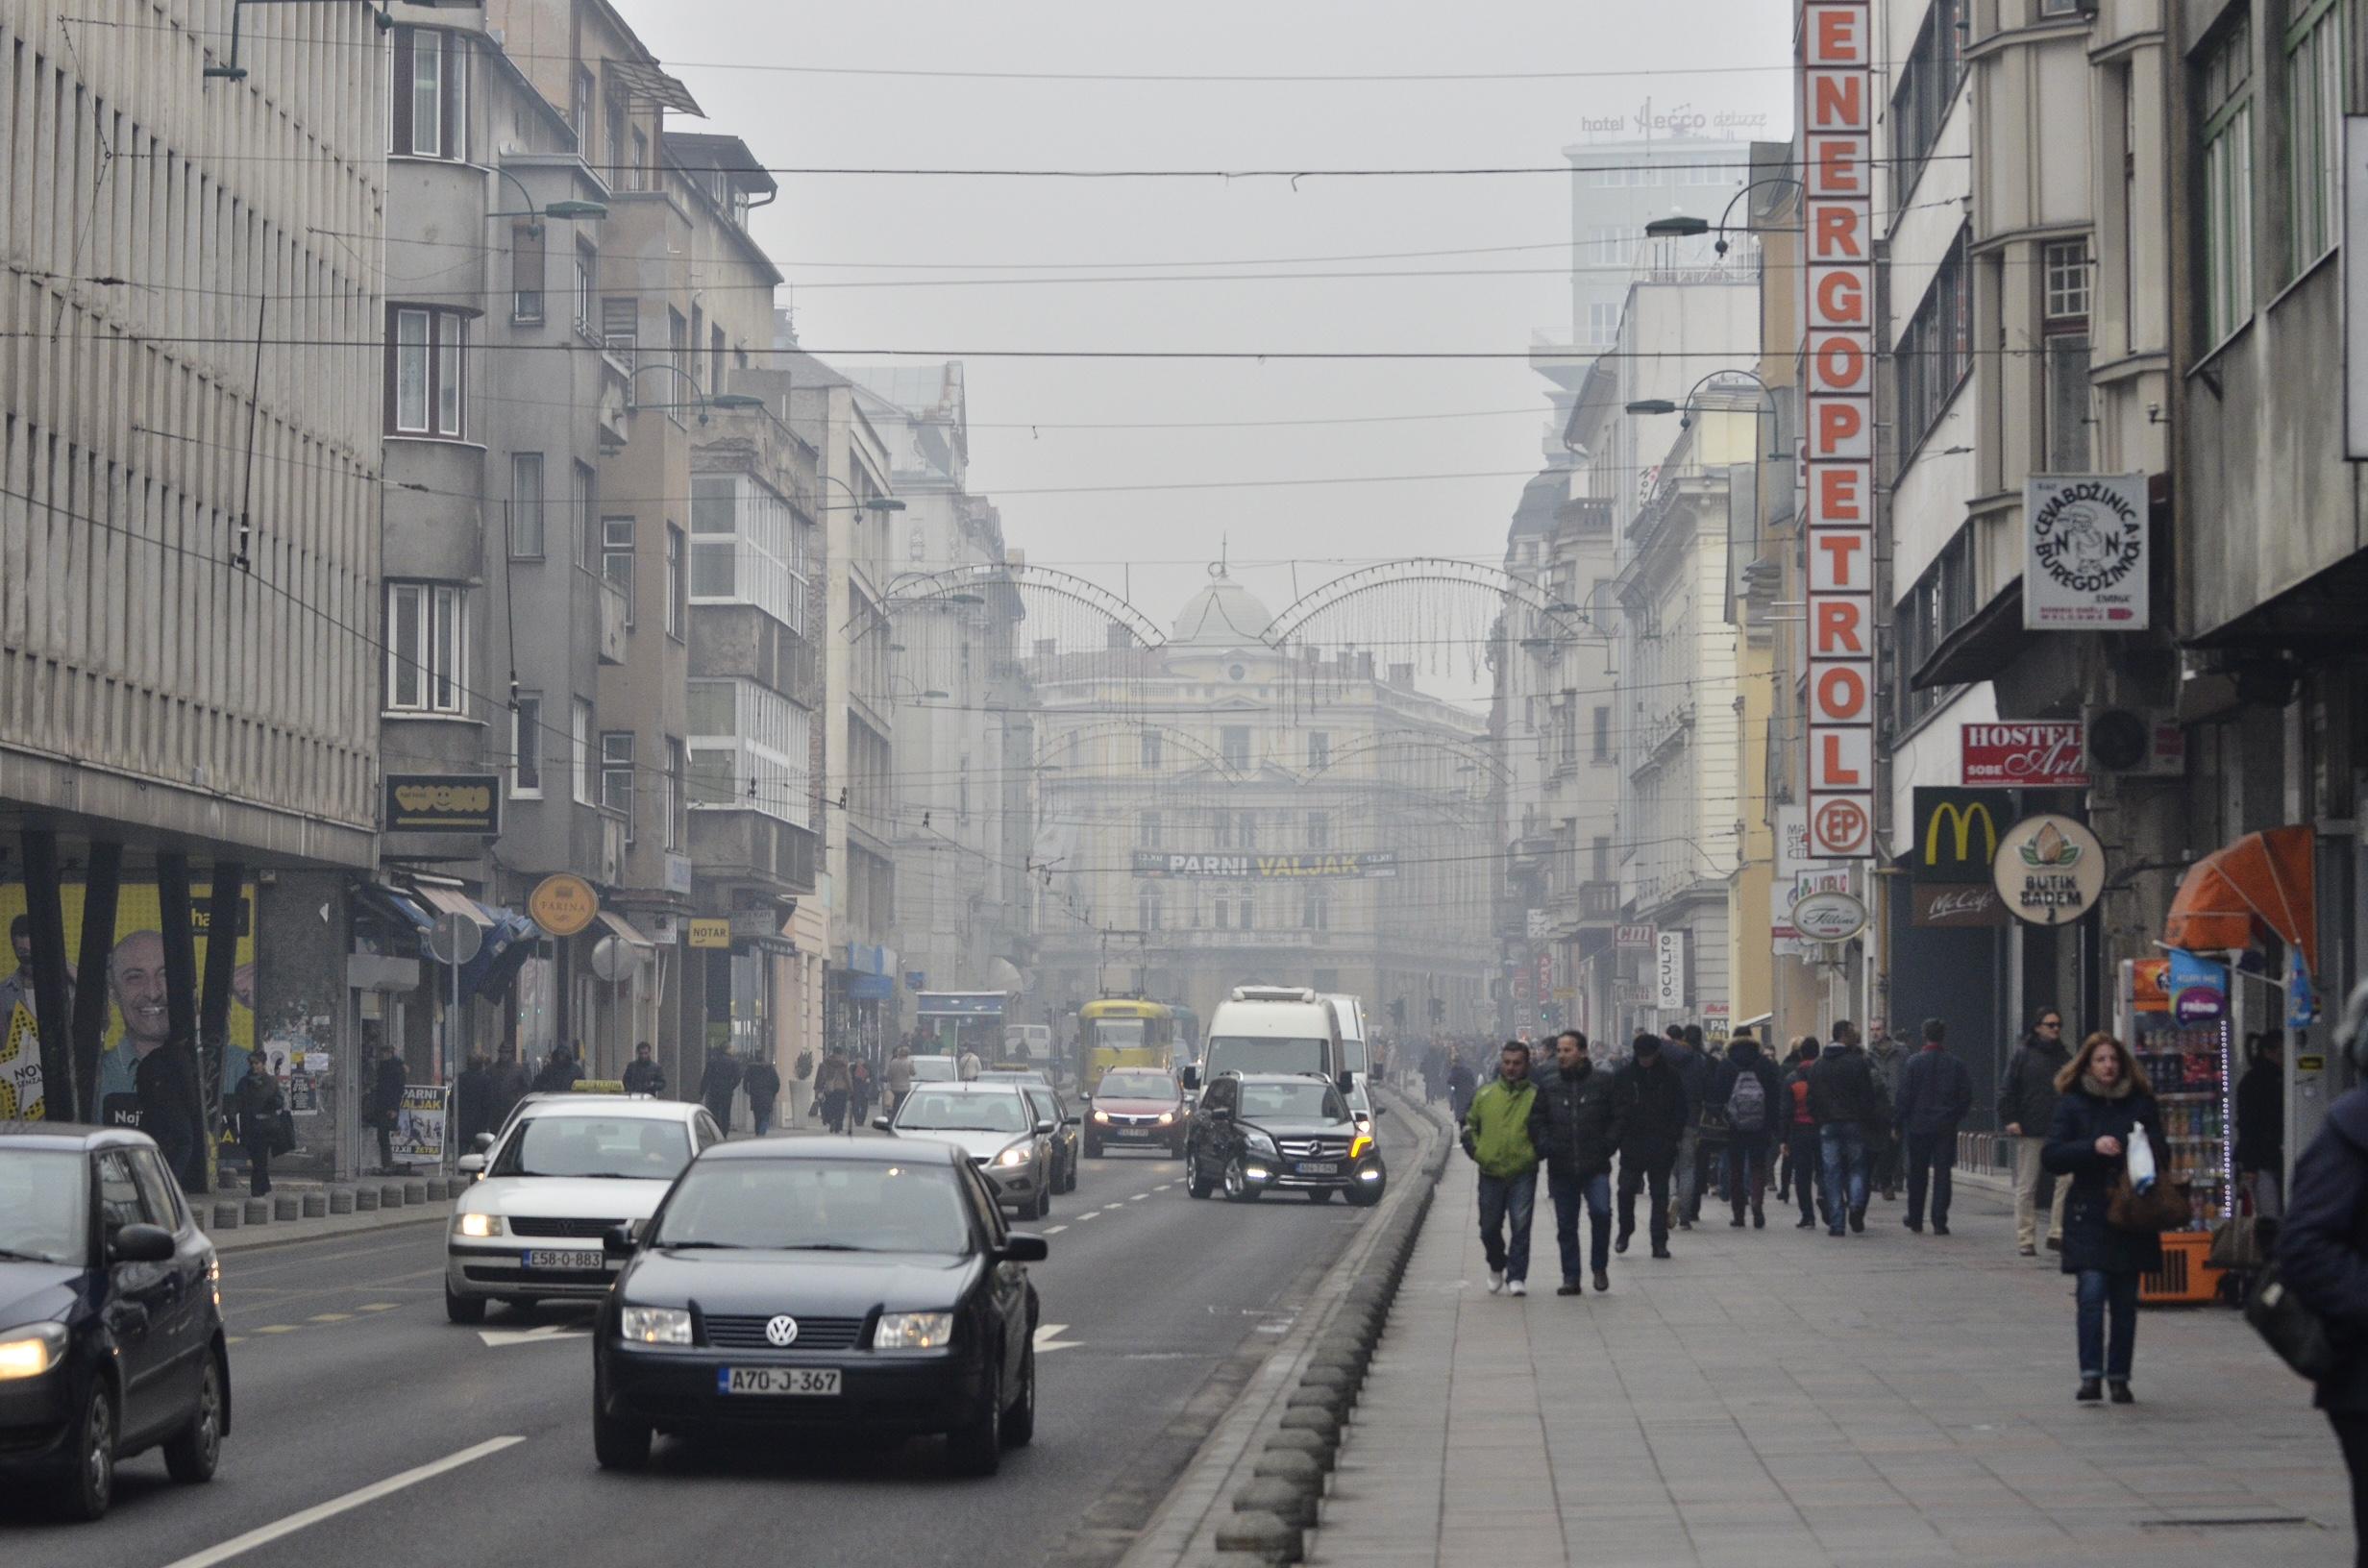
(718, 1083)
(1651, 1107)
(764, 1086)
(2026, 1109)
(642, 1074)
(1692, 1068)
(472, 1103)
(1574, 1124)
(1934, 1094)
(1749, 1092)
(1841, 1097)
(385, 1104)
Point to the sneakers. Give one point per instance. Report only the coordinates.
(1570, 1287)
(1496, 1280)
(1603, 1280)
(2027, 1251)
(1804, 1225)
(2121, 1394)
(2089, 1391)
(1516, 1287)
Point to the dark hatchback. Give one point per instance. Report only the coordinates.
(110, 1322)
(1268, 1132)
(1139, 1106)
(822, 1287)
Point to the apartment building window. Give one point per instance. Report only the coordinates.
(1149, 830)
(1152, 742)
(617, 774)
(1233, 745)
(2228, 180)
(526, 504)
(616, 118)
(677, 603)
(678, 347)
(583, 511)
(1939, 603)
(1928, 83)
(427, 354)
(2064, 271)
(587, 286)
(1319, 751)
(715, 358)
(526, 746)
(1602, 748)
(674, 806)
(1246, 828)
(620, 328)
(635, 176)
(752, 749)
(1222, 916)
(1936, 347)
(579, 749)
(429, 97)
(526, 271)
(580, 112)
(1148, 909)
(1566, 729)
(2314, 129)
(747, 547)
(1319, 830)
(426, 647)
(1599, 859)
(697, 365)
(1602, 325)
(617, 558)
(1246, 908)
(1221, 829)
(1314, 908)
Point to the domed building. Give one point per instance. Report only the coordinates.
(1217, 811)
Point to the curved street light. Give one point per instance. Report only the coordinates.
(728, 402)
(1688, 407)
(1685, 226)
(566, 208)
(875, 505)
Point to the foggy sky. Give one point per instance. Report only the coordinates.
(812, 119)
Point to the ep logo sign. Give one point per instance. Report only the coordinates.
(1836, 58)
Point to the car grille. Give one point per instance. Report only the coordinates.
(1313, 1148)
(746, 1331)
(562, 1227)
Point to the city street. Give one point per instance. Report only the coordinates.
(346, 1374)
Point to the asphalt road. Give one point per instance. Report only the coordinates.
(346, 1377)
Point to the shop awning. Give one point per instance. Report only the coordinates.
(452, 901)
(395, 907)
(2259, 886)
(624, 929)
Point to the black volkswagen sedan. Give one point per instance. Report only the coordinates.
(822, 1287)
(1265, 1131)
(110, 1323)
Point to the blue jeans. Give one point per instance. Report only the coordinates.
(2099, 1293)
(1503, 1198)
(1842, 1148)
(1569, 1192)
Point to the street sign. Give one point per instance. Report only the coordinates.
(1828, 916)
(2085, 553)
(1957, 834)
(1669, 971)
(2043, 754)
(1637, 937)
(711, 933)
(564, 905)
(613, 959)
(454, 939)
(2050, 870)
(444, 803)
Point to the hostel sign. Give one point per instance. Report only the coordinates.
(1836, 63)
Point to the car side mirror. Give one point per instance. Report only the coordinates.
(882, 1124)
(1217, 1113)
(470, 1164)
(1043, 1129)
(622, 1240)
(142, 1244)
(1021, 1248)
(1346, 1083)
(482, 1143)
(1073, 1122)
(1192, 1077)
(1380, 1112)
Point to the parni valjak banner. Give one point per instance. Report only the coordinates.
(1238, 868)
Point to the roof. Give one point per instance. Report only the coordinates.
(1222, 615)
(68, 1134)
(900, 1151)
(631, 1106)
(710, 153)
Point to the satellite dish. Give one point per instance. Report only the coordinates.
(613, 960)
(454, 939)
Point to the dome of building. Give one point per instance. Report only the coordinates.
(1222, 615)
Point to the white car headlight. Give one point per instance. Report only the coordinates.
(1258, 1141)
(913, 1331)
(655, 1325)
(30, 1351)
(1165, 1118)
(476, 1225)
(1101, 1116)
(1018, 1154)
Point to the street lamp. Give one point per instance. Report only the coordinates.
(566, 208)
(876, 504)
(728, 402)
(1664, 406)
(1683, 226)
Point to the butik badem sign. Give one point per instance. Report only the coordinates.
(2085, 553)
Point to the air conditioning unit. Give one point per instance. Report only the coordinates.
(2135, 743)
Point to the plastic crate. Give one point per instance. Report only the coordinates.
(2184, 1279)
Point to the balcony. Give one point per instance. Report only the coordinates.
(616, 617)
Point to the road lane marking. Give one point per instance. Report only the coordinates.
(1138, 1197)
(1114, 1206)
(265, 1535)
(280, 1328)
(1090, 1213)
(542, 1334)
(1048, 1337)
(235, 1339)
(1054, 1229)
(331, 1317)
(379, 1305)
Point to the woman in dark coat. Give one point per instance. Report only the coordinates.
(2104, 1098)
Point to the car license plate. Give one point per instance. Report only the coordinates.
(566, 1259)
(1319, 1167)
(776, 1380)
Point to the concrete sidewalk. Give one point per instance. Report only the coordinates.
(1778, 1397)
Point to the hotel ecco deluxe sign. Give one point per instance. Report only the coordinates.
(1837, 370)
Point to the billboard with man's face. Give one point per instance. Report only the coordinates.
(138, 1020)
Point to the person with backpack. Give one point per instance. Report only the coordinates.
(1934, 1094)
(1842, 1095)
(1749, 1092)
(1802, 1159)
(1576, 1128)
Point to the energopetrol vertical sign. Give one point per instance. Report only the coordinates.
(1837, 404)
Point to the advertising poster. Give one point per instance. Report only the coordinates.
(419, 1125)
(137, 1020)
(2085, 558)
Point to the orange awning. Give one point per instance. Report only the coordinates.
(2261, 885)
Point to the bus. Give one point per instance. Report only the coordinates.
(1118, 1032)
(953, 1021)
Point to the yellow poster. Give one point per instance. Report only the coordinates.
(137, 1016)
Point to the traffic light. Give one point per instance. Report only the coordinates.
(1397, 1011)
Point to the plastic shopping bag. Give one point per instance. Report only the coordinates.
(2141, 1161)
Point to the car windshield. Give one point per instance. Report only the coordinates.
(637, 1148)
(940, 1112)
(44, 1205)
(815, 1205)
(933, 1068)
(1118, 1034)
(1137, 1085)
(1310, 1101)
(1238, 1053)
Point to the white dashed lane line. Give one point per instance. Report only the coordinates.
(1054, 1229)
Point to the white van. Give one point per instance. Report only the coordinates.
(1029, 1042)
(1272, 1029)
(1348, 1022)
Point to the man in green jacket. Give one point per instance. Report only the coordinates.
(1496, 1137)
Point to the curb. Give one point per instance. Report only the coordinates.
(1276, 1489)
(305, 1212)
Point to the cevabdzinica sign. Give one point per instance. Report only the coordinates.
(2085, 553)
(1254, 868)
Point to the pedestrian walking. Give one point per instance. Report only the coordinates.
(1461, 1085)
(898, 1076)
(561, 1072)
(2323, 1258)
(472, 1103)
(1688, 1064)
(1650, 1104)
(258, 1104)
(385, 1104)
(642, 1074)
(1803, 1158)
(1841, 1094)
(966, 1065)
(1496, 1136)
(2026, 1109)
(1886, 1059)
(2260, 1126)
(2102, 1100)
(1751, 1096)
(833, 1082)
(1934, 1095)
(859, 1089)
(719, 1082)
(761, 1083)
(507, 1088)
(1575, 1130)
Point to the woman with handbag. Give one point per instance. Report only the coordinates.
(2104, 1099)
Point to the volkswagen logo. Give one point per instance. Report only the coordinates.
(783, 1330)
